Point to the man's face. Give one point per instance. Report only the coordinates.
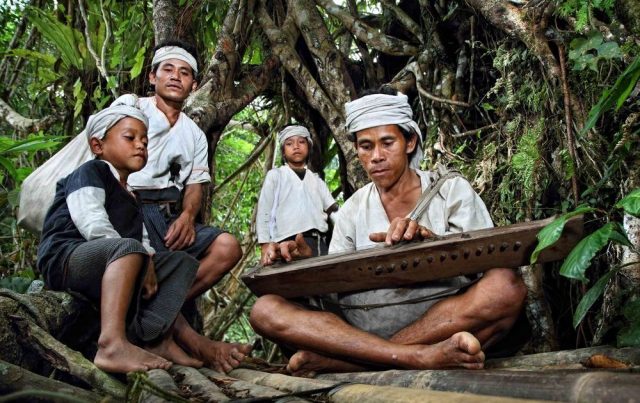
(383, 152)
(173, 80)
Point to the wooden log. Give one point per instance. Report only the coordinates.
(576, 359)
(14, 379)
(66, 359)
(243, 390)
(56, 311)
(357, 393)
(197, 385)
(443, 257)
(570, 386)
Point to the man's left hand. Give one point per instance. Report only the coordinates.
(181, 233)
(401, 229)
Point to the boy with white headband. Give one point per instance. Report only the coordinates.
(293, 200)
(94, 242)
(430, 325)
(171, 190)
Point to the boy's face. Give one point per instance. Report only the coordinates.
(296, 150)
(124, 146)
(173, 80)
(383, 152)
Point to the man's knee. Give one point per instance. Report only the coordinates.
(266, 315)
(509, 289)
(226, 247)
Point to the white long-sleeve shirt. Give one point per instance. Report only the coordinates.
(455, 208)
(182, 144)
(300, 205)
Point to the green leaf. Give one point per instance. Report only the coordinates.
(616, 95)
(8, 165)
(18, 284)
(630, 335)
(80, 94)
(139, 62)
(609, 50)
(591, 297)
(631, 203)
(576, 264)
(552, 231)
(64, 37)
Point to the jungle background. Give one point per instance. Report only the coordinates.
(536, 102)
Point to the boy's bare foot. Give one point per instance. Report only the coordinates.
(223, 357)
(308, 364)
(168, 349)
(121, 356)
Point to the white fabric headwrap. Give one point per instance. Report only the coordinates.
(291, 131)
(381, 109)
(124, 106)
(175, 52)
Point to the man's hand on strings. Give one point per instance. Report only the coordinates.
(286, 250)
(401, 229)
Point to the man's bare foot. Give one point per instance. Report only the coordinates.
(168, 349)
(223, 357)
(308, 364)
(121, 356)
(460, 350)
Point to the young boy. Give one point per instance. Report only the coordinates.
(293, 200)
(94, 242)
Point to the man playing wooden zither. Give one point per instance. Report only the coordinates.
(441, 324)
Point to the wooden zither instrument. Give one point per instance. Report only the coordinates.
(432, 259)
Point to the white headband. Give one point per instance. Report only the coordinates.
(125, 106)
(291, 131)
(381, 109)
(175, 52)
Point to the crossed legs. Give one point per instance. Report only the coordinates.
(451, 334)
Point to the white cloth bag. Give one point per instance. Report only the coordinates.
(39, 189)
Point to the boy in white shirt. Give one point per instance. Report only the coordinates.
(293, 201)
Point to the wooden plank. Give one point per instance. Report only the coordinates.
(443, 257)
(569, 385)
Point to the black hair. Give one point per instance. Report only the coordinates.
(181, 44)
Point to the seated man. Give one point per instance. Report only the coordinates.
(171, 189)
(412, 327)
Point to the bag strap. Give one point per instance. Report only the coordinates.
(444, 174)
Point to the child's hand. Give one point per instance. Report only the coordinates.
(150, 283)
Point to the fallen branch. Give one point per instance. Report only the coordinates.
(22, 124)
(15, 379)
(66, 359)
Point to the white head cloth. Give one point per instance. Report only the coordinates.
(124, 106)
(175, 52)
(291, 131)
(381, 109)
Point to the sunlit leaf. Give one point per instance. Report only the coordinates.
(631, 203)
(591, 297)
(139, 62)
(552, 231)
(616, 95)
(576, 264)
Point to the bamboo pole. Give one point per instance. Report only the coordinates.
(567, 385)
(199, 386)
(566, 359)
(246, 389)
(358, 393)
